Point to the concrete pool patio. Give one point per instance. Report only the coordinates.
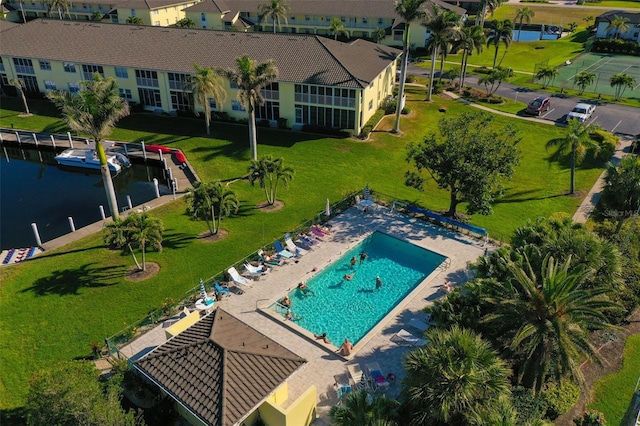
(348, 229)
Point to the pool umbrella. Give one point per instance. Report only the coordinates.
(327, 209)
(203, 292)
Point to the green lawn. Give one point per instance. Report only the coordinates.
(549, 15)
(54, 306)
(615, 4)
(612, 394)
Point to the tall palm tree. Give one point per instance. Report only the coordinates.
(471, 38)
(621, 193)
(95, 110)
(336, 26)
(251, 79)
(524, 14)
(210, 201)
(145, 231)
(455, 375)
(269, 172)
(576, 142)
(378, 34)
(276, 10)
(547, 75)
(501, 32)
(204, 85)
(546, 318)
(360, 408)
(409, 11)
(443, 25)
(61, 6)
(619, 25)
(584, 79)
(118, 235)
(621, 82)
(18, 83)
(485, 5)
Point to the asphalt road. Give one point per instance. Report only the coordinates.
(615, 118)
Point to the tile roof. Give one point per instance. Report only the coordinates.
(6, 25)
(148, 4)
(300, 58)
(220, 368)
(357, 8)
(632, 17)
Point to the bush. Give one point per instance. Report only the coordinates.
(560, 397)
(590, 418)
(530, 408)
(607, 141)
(438, 87)
(410, 79)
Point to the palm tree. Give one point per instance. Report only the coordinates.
(619, 25)
(61, 6)
(546, 318)
(204, 85)
(547, 75)
(269, 172)
(455, 375)
(621, 82)
(186, 23)
(250, 79)
(577, 142)
(135, 20)
(360, 408)
(409, 11)
(145, 231)
(443, 25)
(492, 5)
(276, 10)
(210, 201)
(378, 34)
(118, 235)
(584, 79)
(621, 193)
(95, 110)
(20, 86)
(501, 31)
(336, 26)
(524, 14)
(471, 38)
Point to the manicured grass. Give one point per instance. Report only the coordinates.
(548, 15)
(613, 393)
(54, 306)
(613, 4)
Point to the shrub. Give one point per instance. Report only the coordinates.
(590, 418)
(607, 141)
(530, 408)
(282, 123)
(410, 79)
(560, 397)
(438, 87)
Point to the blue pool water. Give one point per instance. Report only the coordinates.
(352, 308)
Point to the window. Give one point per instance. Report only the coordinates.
(178, 81)
(380, 21)
(150, 97)
(156, 23)
(23, 65)
(122, 72)
(125, 94)
(50, 85)
(74, 87)
(155, 12)
(271, 92)
(236, 106)
(1, 65)
(343, 19)
(133, 12)
(307, 18)
(45, 65)
(89, 70)
(328, 117)
(397, 35)
(365, 20)
(181, 101)
(212, 104)
(370, 104)
(147, 78)
(268, 111)
(69, 67)
(4, 80)
(232, 84)
(203, 17)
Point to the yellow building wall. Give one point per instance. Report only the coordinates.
(302, 412)
(183, 324)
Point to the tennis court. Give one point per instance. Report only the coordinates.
(604, 66)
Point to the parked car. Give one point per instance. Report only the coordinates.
(582, 112)
(539, 105)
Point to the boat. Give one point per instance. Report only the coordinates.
(88, 159)
(157, 148)
(180, 157)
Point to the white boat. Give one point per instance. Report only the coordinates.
(88, 159)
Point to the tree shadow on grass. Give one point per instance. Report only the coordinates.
(520, 196)
(177, 240)
(69, 281)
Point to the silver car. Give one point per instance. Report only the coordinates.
(582, 112)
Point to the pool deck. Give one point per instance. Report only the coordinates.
(348, 229)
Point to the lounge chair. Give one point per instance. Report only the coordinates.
(407, 337)
(359, 378)
(237, 278)
(378, 379)
(255, 271)
(342, 385)
(273, 261)
(282, 251)
(292, 247)
(418, 324)
(308, 241)
(318, 233)
(221, 290)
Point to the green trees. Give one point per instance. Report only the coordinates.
(137, 230)
(336, 27)
(409, 11)
(276, 10)
(500, 32)
(134, 20)
(491, 5)
(546, 317)
(62, 6)
(71, 394)
(251, 78)
(360, 408)
(186, 23)
(444, 25)
(576, 143)
(18, 83)
(471, 38)
(454, 377)
(524, 14)
(471, 160)
(209, 202)
(206, 84)
(621, 193)
(584, 79)
(619, 25)
(547, 75)
(378, 34)
(95, 110)
(493, 80)
(621, 82)
(269, 172)
(97, 16)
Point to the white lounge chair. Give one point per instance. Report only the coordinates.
(256, 271)
(407, 337)
(418, 324)
(378, 379)
(292, 247)
(360, 380)
(237, 278)
(282, 251)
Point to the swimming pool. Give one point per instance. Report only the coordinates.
(351, 309)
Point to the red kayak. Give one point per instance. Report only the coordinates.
(157, 148)
(180, 158)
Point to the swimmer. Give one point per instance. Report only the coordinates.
(305, 289)
(346, 347)
(353, 261)
(291, 316)
(363, 257)
(322, 337)
(286, 301)
(349, 277)
(378, 283)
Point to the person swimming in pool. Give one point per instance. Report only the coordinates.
(291, 316)
(286, 301)
(322, 337)
(363, 257)
(353, 261)
(305, 289)
(349, 277)
(378, 283)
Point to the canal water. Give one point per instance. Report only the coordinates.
(33, 189)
